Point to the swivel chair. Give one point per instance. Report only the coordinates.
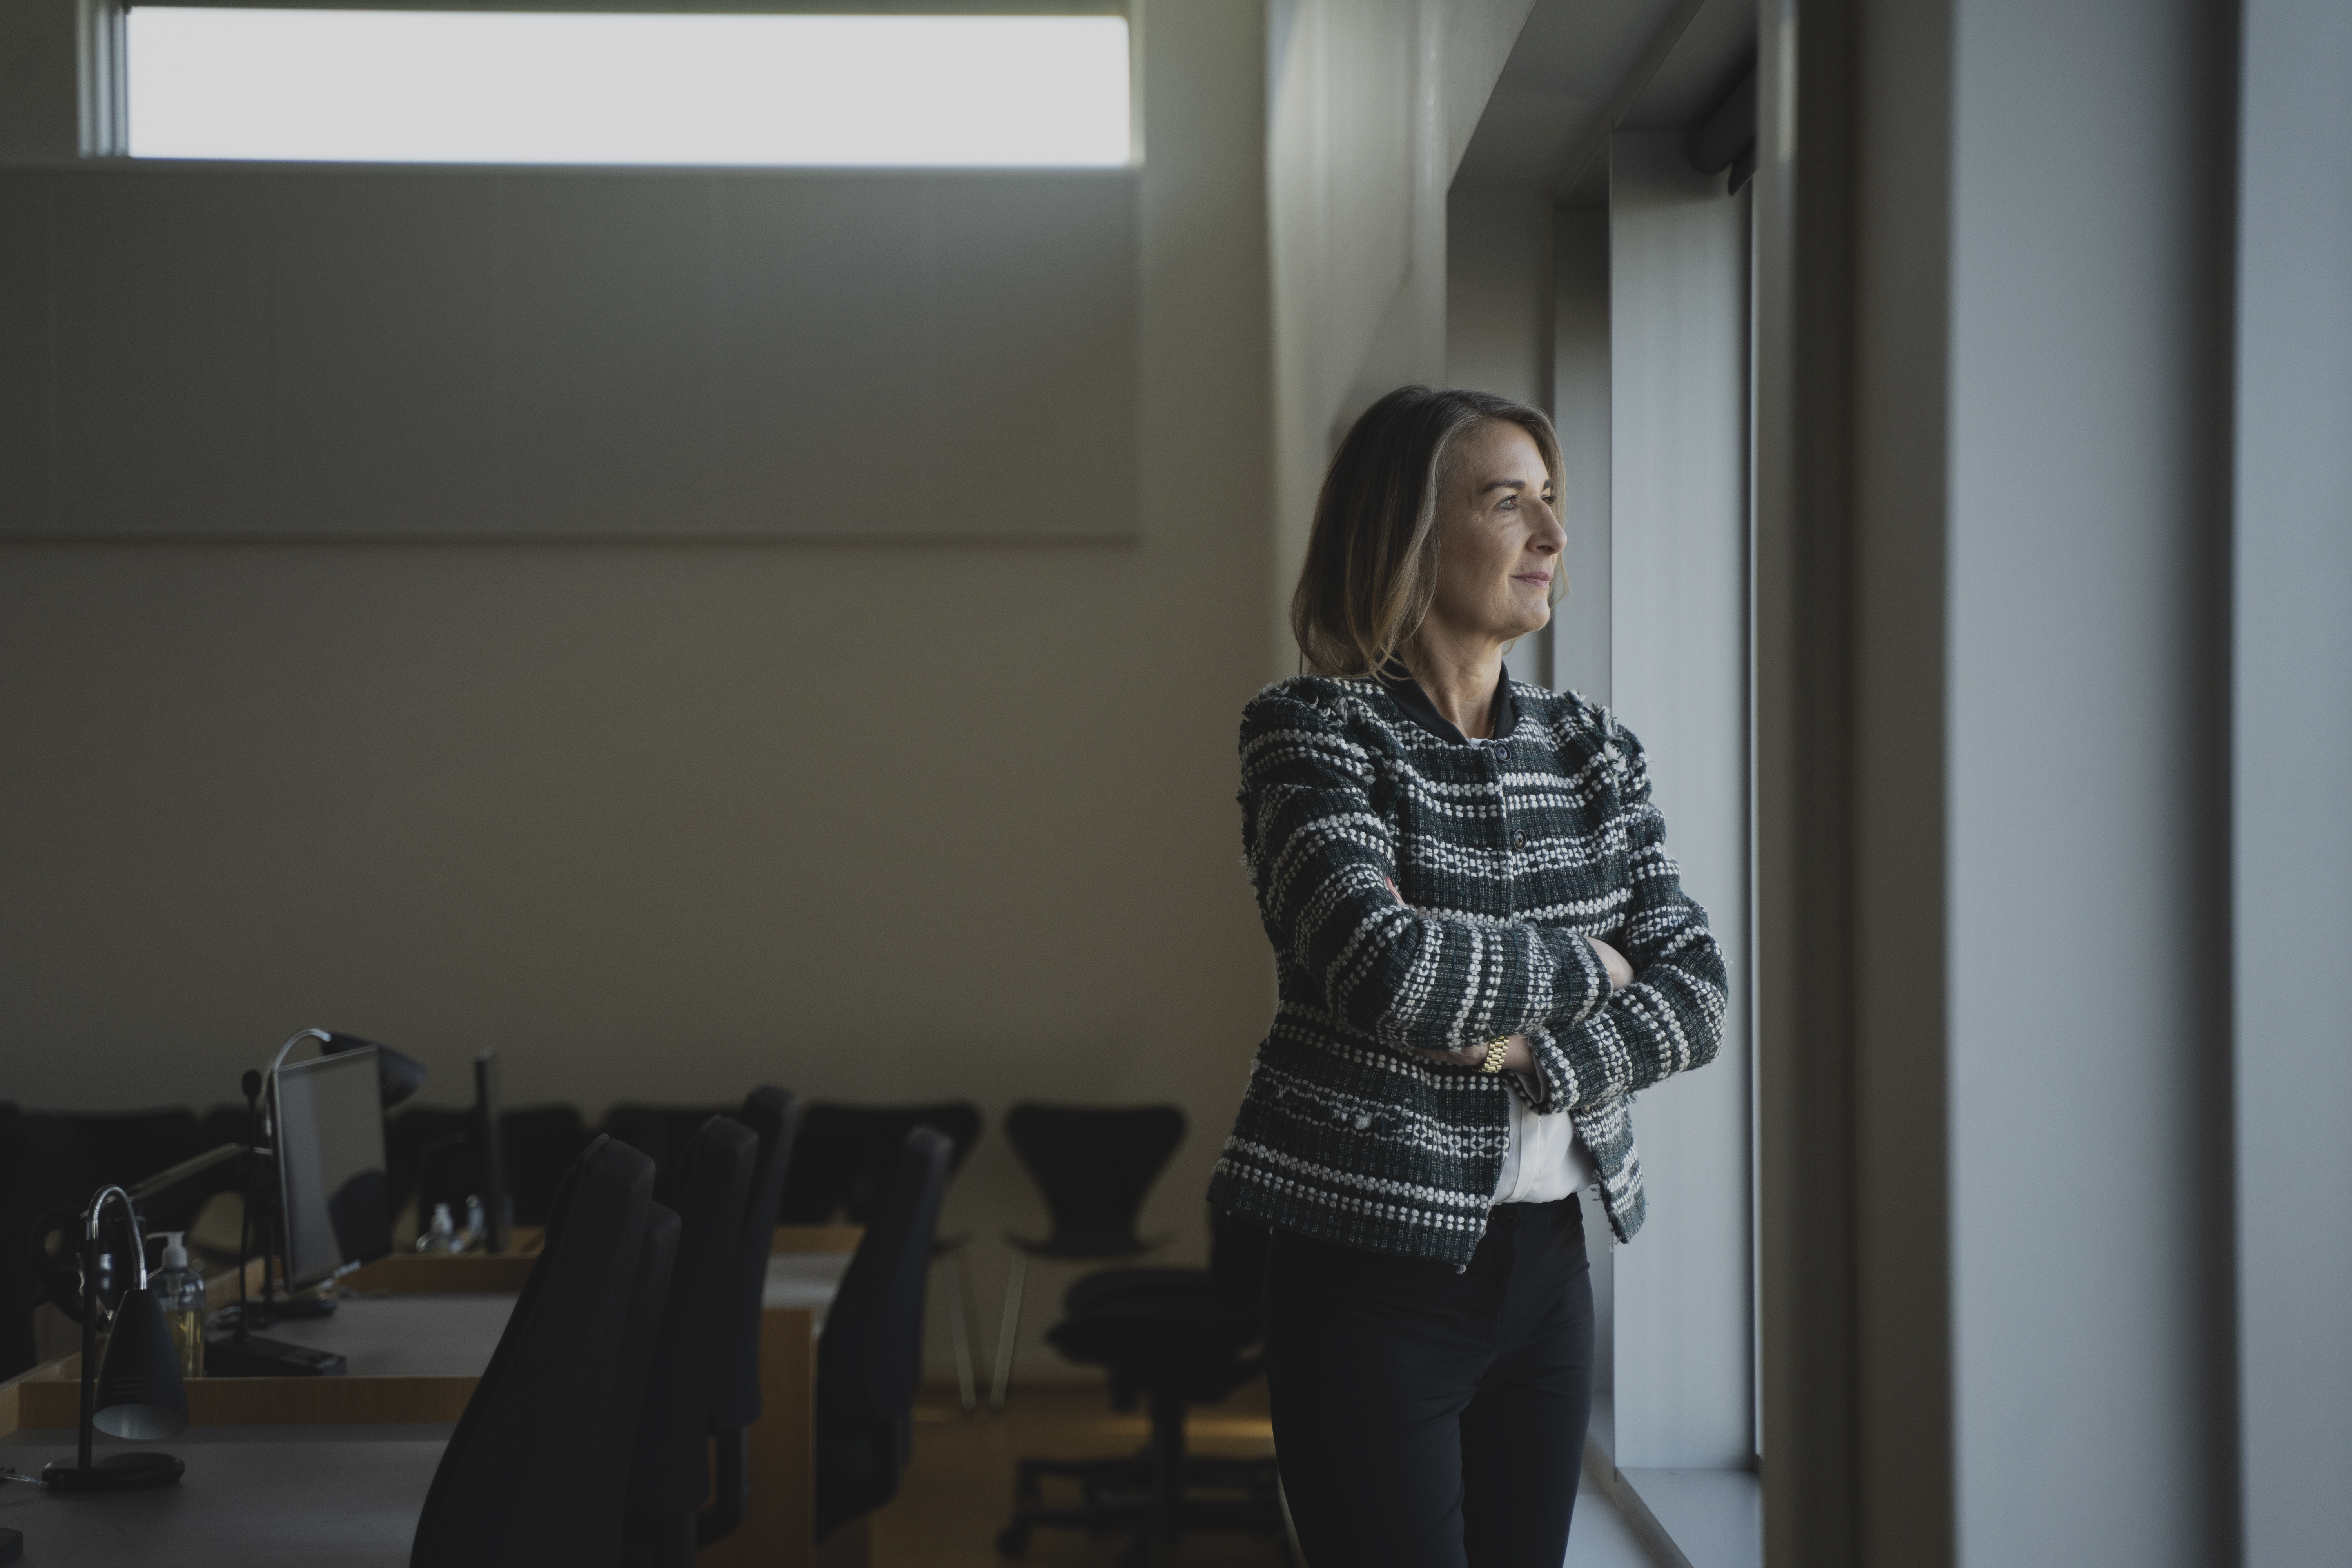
(869, 1356)
(842, 1159)
(523, 1478)
(768, 1112)
(671, 1476)
(1168, 1338)
(1094, 1166)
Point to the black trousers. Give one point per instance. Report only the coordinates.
(1429, 1418)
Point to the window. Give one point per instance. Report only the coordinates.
(473, 87)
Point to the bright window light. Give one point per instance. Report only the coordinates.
(474, 87)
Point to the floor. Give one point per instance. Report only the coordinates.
(958, 1490)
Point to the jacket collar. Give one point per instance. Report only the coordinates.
(1399, 683)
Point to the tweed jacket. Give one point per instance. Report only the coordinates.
(1427, 891)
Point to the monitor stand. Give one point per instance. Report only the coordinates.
(235, 1354)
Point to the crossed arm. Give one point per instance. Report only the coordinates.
(1588, 1022)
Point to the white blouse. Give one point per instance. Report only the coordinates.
(1545, 1160)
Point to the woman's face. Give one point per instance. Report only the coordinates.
(1498, 540)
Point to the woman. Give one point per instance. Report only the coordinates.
(1483, 950)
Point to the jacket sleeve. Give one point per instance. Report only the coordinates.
(1322, 860)
(1670, 1018)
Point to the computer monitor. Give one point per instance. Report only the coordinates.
(329, 1130)
(490, 1170)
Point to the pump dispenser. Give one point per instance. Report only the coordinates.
(179, 1290)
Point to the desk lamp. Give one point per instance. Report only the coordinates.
(138, 1391)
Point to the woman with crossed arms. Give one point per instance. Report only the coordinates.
(1483, 950)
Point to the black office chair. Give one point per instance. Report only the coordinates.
(870, 1356)
(708, 1181)
(522, 1477)
(1170, 1338)
(842, 1158)
(845, 1156)
(50, 1162)
(36, 1182)
(768, 1112)
(412, 1135)
(632, 1377)
(1094, 1166)
(540, 1142)
(658, 1131)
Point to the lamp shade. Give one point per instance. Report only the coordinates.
(140, 1393)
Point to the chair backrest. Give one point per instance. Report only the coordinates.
(767, 1111)
(869, 1357)
(408, 1133)
(712, 1174)
(123, 1148)
(660, 1132)
(35, 1176)
(844, 1155)
(632, 1369)
(540, 1142)
(1094, 1166)
(516, 1482)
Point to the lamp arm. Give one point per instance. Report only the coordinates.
(292, 1040)
(130, 1212)
(89, 1305)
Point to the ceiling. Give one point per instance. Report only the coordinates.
(1579, 61)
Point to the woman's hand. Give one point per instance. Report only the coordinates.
(1621, 973)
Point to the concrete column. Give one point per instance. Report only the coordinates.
(2001, 1053)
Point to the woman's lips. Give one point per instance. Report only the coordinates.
(1542, 578)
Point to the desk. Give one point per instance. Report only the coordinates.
(415, 1352)
(256, 1497)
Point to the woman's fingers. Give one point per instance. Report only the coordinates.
(1517, 1056)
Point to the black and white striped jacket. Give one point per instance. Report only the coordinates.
(1504, 855)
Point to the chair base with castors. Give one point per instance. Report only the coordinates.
(1169, 1339)
(1157, 1496)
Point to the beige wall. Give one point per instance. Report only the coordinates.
(877, 822)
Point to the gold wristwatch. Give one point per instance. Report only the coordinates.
(1495, 1049)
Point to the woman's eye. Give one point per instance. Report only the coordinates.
(1510, 503)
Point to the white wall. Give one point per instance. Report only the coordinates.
(876, 821)
(210, 350)
(1678, 674)
(2292, 689)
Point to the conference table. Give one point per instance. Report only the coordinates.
(335, 1469)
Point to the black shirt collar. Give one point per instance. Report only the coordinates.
(1401, 685)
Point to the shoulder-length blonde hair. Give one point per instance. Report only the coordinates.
(1371, 557)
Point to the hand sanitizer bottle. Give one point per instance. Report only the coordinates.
(477, 1226)
(180, 1291)
(443, 1236)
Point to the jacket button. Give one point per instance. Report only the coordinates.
(1519, 839)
